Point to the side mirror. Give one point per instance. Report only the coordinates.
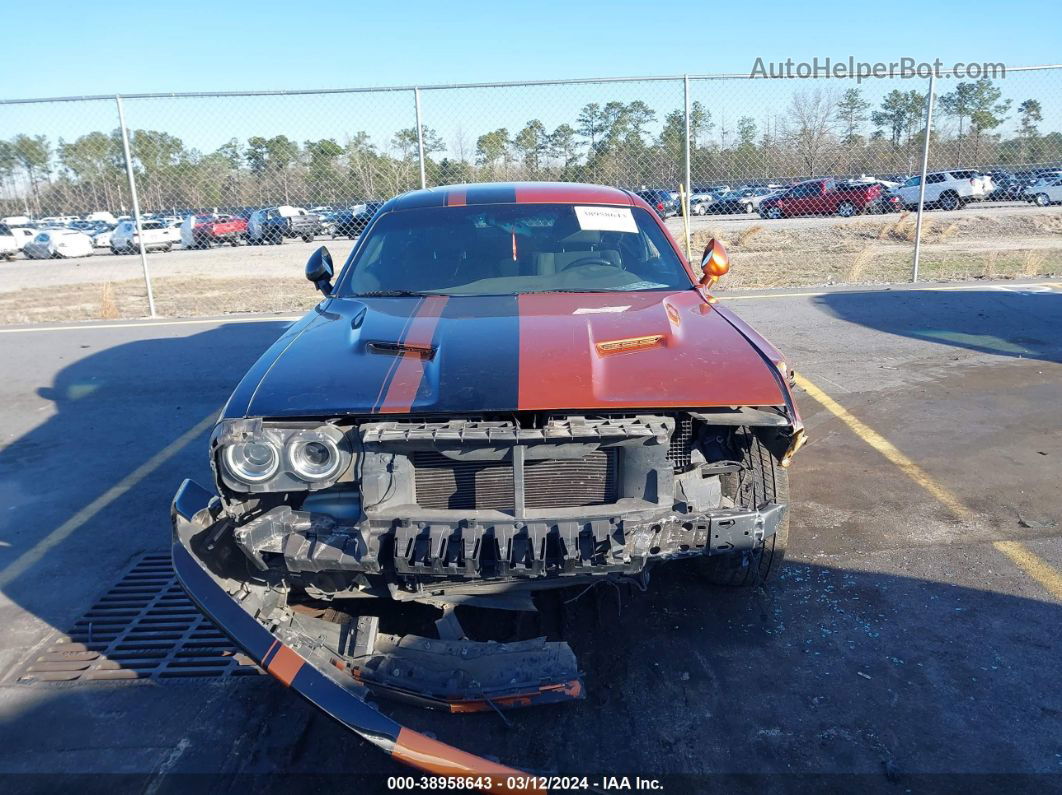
(319, 270)
(715, 263)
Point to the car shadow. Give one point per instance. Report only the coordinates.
(831, 677)
(110, 409)
(1003, 321)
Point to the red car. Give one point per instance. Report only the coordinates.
(212, 230)
(508, 388)
(823, 197)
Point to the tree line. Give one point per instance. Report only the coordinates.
(822, 131)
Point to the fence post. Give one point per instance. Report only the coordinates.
(420, 138)
(686, 146)
(136, 203)
(922, 182)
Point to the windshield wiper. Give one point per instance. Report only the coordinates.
(389, 294)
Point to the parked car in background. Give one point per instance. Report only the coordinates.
(157, 237)
(23, 235)
(743, 200)
(9, 244)
(821, 197)
(102, 237)
(205, 231)
(17, 220)
(660, 200)
(102, 215)
(948, 190)
(58, 243)
(352, 222)
(273, 224)
(1046, 191)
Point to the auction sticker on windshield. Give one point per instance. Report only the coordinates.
(606, 219)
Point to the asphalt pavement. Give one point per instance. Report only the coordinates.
(911, 638)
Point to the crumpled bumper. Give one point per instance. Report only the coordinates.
(306, 667)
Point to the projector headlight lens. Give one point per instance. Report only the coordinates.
(313, 456)
(252, 462)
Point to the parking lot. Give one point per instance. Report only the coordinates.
(913, 631)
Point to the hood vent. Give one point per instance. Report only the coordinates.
(402, 349)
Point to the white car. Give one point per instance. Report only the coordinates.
(102, 239)
(157, 236)
(948, 190)
(102, 215)
(9, 244)
(23, 235)
(55, 243)
(1045, 192)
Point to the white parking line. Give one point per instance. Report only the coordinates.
(1040, 287)
(154, 323)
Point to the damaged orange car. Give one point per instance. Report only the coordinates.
(507, 388)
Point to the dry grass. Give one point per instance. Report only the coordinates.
(108, 306)
(1033, 262)
(858, 265)
(746, 234)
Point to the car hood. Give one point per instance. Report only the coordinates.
(544, 351)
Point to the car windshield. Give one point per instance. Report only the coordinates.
(506, 249)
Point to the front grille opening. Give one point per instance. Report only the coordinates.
(446, 484)
(681, 445)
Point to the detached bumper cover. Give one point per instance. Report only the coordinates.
(312, 671)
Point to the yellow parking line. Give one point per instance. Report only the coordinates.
(33, 555)
(149, 324)
(911, 288)
(1037, 568)
(1033, 565)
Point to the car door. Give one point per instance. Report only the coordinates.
(799, 201)
(908, 192)
(935, 185)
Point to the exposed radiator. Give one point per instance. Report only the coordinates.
(443, 483)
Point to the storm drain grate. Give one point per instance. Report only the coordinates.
(144, 627)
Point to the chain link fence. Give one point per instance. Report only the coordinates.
(808, 181)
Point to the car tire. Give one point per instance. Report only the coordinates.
(167, 248)
(763, 480)
(846, 209)
(774, 213)
(115, 251)
(1042, 200)
(748, 208)
(307, 238)
(949, 201)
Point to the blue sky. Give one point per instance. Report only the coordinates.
(134, 47)
(97, 48)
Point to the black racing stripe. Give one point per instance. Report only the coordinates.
(477, 361)
(491, 194)
(419, 199)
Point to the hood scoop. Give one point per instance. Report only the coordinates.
(402, 349)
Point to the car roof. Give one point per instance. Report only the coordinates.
(510, 193)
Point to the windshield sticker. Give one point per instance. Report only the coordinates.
(606, 219)
(593, 310)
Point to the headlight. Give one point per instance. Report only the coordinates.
(252, 456)
(252, 462)
(313, 456)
